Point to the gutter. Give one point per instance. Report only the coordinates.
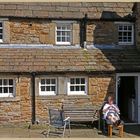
(33, 98)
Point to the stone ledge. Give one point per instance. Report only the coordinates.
(9, 99)
(63, 97)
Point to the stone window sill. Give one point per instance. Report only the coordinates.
(9, 99)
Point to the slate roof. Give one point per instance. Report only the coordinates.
(94, 10)
(65, 60)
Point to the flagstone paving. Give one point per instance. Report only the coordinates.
(84, 132)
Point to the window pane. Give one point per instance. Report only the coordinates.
(42, 88)
(77, 81)
(82, 88)
(10, 89)
(0, 36)
(47, 88)
(120, 27)
(5, 90)
(77, 88)
(125, 27)
(0, 82)
(0, 24)
(0, 89)
(72, 88)
(48, 81)
(58, 39)
(53, 81)
(82, 80)
(72, 80)
(1, 30)
(10, 82)
(129, 27)
(53, 88)
(43, 81)
(5, 82)
(63, 39)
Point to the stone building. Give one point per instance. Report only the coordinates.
(77, 53)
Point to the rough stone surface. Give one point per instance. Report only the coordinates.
(53, 10)
(17, 109)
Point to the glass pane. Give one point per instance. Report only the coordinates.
(0, 24)
(77, 88)
(77, 81)
(63, 33)
(42, 88)
(58, 39)
(58, 33)
(1, 30)
(53, 81)
(82, 80)
(0, 82)
(0, 36)
(72, 88)
(72, 80)
(129, 27)
(10, 89)
(82, 88)
(120, 27)
(5, 90)
(43, 81)
(53, 88)
(48, 81)
(10, 81)
(63, 39)
(5, 82)
(0, 89)
(125, 27)
(47, 88)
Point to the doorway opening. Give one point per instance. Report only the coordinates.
(127, 98)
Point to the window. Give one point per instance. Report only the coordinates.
(63, 33)
(125, 34)
(1, 32)
(7, 88)
(48, 86)
(77, 85)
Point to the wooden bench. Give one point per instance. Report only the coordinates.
(81, 114)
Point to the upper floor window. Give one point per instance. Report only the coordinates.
(77, 86)
(126, 34)
(1, 31)
(7, 87)
(63, 33)
(48, 86)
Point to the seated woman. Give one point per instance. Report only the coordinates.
(111, 112)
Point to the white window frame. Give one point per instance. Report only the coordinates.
(63, 23)
(127, 24)
(77, 92)
(14, 88)
(47, 93)
(1, 40)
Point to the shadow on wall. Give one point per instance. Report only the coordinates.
(105, 32)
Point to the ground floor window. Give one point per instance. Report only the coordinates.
(48, 86)
(7, 88)
(77, 86)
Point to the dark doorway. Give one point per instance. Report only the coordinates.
(127, 98)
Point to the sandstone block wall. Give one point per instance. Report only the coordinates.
(24, 31)
(14, 110)
(99, 87)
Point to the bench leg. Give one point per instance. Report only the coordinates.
(110, 130)
(121, 130)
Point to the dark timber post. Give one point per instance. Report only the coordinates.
(33, 98)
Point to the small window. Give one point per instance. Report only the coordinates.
(7, 88)
(125, 34)
(1, 31)
(63, 34)
(77, 86)
(48, 86)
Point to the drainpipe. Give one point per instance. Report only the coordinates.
(83, 35)
(33, 98)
